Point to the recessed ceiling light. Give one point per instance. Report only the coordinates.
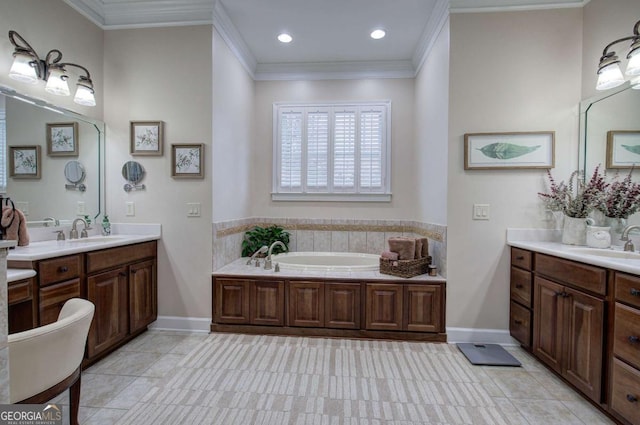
(285, 38)
(378, 34)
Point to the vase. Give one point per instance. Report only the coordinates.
(617, 226)
(574, 231)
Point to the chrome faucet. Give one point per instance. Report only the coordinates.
(73, 234)
(53, 221)
(267, 261)
(263, 250)
(628, 246)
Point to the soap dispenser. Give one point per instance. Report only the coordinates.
(106, 226)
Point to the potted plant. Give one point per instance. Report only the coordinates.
(575, 200)
(258, 237)
(619, 200)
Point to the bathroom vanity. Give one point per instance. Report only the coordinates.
(118, 275)
(579, 314)
(356, 304)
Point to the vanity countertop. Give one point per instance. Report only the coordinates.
(19, 274)
(240, 268)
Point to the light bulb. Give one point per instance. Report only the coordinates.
(84, 96)
(22, 69)
(378, 34)
(633, 66)
(285, 38)
(56, 83)
(609, 76)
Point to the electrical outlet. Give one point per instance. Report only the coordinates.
(193, 209)
(81, 209)
(481, 211)
(23, 206)
(131, 209)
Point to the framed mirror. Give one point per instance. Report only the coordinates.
(27, 121)
(133, 172)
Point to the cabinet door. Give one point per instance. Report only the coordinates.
(231, 301)
(306, 304)
(268, 308)
(423, 306)
(21, 305)
(108, 291)
(342, 305)
(383, 307)
(583, 336)
(547, 322)
(143, 295)
(53, 297)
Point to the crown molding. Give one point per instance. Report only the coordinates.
(481, 6)
(334, 70)
(438, 17)
(230, 34)
(93, 10)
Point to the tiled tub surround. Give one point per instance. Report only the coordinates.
(326, 235)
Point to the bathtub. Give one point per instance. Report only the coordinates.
(327, 261)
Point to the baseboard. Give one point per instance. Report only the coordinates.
(175, 323)
(486, 336)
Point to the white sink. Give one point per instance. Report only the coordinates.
(95, 239)
(609, 253)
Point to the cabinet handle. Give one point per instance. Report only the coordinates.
(562, 294)
(63, 269)
(635, 292)
(122, 274)
(520, 257)
(631, 398)
(634, 339)
(517, 322)
(518, 285)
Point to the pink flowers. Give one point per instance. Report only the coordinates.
(620, 198)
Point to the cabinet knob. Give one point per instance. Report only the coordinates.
(634, 339)
(63, 269)
(520, 257)
(632, 398)
(518, 285)
(517, 322)
(122, 274)
(635, 292)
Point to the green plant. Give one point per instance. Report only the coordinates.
(257, 237)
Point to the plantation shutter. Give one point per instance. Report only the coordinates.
(317, 163)
(344, 150)
(3, 152)
(371, 150)
(291, 150)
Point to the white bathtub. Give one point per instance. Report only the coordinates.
(327, 261)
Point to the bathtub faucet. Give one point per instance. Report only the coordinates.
(263, 250)
(267, 262)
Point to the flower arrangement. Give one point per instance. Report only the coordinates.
(575, 199)
(620, 198)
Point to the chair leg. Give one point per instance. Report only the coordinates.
(74, 401)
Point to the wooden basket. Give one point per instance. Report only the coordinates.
(405, 268)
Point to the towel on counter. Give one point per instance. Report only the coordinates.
(15, 226)
(389, 255)
(425, 247)
(405, 247)
(418, 253)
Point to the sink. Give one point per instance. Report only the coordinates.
(608, 253)
(95, 239)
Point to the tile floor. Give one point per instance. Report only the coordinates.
(531, 394)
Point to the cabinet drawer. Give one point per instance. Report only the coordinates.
(628, 289)
(520, 324)
(521, 286)
(53, 297)
(19, 291)
(59, 269)
(625, 391)
(521, 258)
(582, 276)
(626, 334)
(115, 257)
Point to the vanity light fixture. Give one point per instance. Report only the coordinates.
(29, 68)
(609, 72)
(377, 34)
(285, 38)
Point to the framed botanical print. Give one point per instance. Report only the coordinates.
(623, 149)
(62, 139)
(24, 162)
(147, 137)
(187, 161)
(495, 151)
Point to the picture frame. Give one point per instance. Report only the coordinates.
(24, 162)
(147, 138)
(187, 161)
(507, 151)
(623, 149)
(62, 139)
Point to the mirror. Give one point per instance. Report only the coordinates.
(133, 172)
(27, 123)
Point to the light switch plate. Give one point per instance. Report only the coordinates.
(481, 211)
(80, 208)
(23, 206)
(193, 209)
(131, 209)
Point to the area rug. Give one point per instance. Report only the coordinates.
(243, 379)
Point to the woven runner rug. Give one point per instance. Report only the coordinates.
(242, 379)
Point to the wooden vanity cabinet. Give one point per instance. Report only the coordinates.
(306, 304)
(248, 302)
(383, 306)
(59, 279)
(521, 296)
(21, 303)
(267, 303)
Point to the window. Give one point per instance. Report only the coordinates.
(332, 152)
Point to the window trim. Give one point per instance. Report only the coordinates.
(332, 195)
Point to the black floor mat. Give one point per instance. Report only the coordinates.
(487, 354)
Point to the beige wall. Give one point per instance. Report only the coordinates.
(47, 25)
(504, 78)
(403, 165)
(164, 74)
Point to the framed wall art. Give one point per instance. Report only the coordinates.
(504, 151)
(62, 139)
(147, 137)
(24, 162)
(187, 161)
(623, 148)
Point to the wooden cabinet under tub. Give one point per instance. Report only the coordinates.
(399, 309)
(585, 327)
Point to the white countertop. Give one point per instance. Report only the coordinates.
(240, 268)
(19, 274)
(548, 245)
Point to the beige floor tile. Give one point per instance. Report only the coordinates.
(519, 384)
(156, 342)
(546, 412)
(162, 366)
(554, 385)
(587, 413)
(131, 363)
(130, 395)
(105, 416)
(98, 390)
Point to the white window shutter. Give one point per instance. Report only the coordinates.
(371, 149)
(344, 150)
(291, 150)
(317, 163)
